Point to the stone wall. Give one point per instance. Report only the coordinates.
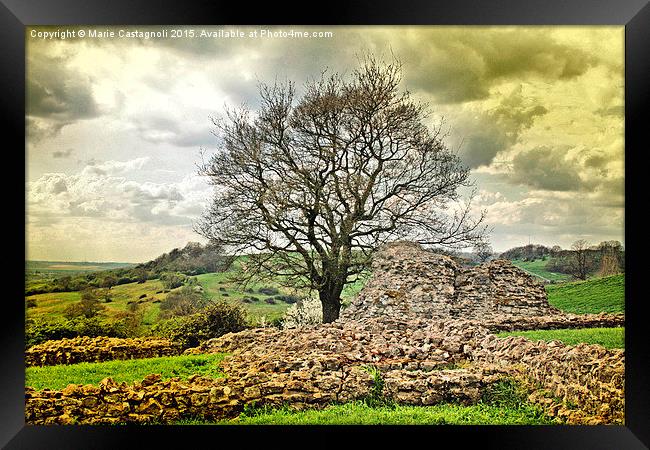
(421, 362)
(87, 349)
(553, 322)
(303, 369)
(409, 280)
(423, 321)
(582, 383)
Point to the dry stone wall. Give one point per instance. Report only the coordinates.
(87, 349)
(582, 383)
(421, 362)
(303, 369)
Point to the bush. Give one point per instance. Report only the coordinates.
(270, 301)
(268, 291)
(172, 280)
(89, 306)
(216, 319)
(30, 303)
(40, 330)
(183, 302)
(306, 312)
(287, 298)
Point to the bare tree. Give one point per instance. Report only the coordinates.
(610, 256)
(309, 188)
(580, 264)
(483, 251)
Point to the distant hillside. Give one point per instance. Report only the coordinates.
(528, 252)
(538, 269)
(51, 276)
(606, 294)
(66, 267)
(193, 259)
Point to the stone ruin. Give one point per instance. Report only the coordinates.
(423, 321)
(408, 280)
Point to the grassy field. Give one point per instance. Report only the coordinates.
(606, 294)
(220, 286)
(607, 337)
(537, 268)
(53, 304)
(58, 377)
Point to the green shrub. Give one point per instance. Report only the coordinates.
(216, 319)
(89, 306)
(172, 280)
(268, 291)
(40, 330)
(505, 394)
(183, 302)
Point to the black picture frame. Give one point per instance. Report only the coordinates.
(633, 14)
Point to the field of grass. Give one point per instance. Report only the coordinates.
(53, 304)
(58, 377)
(359, 413)
(606, 294)
(538, 268)
(217, 286)
(220, 286)
(607, 337)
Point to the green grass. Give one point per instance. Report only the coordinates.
(217, 284)
(52, 305)
(607, 337)
(359, 413)
(58, 377)
(538, 268)
(606, 294)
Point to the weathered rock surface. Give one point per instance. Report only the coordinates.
(409, 280)
(87, 349)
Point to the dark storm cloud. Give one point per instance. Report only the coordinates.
(57, 95)
(57, 92)
(484, 134)
(546, 168)
(463, 65)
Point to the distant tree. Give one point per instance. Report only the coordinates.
(610, 257)
(89, 306)
(140, 274)
(108, 282)
(132, 319)
(309, 188)
(580, 261)
(172, 280)
(483, 251)
(66, 283)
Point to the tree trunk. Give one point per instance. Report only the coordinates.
(330, 298)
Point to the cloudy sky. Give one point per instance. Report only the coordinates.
(115, 126)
